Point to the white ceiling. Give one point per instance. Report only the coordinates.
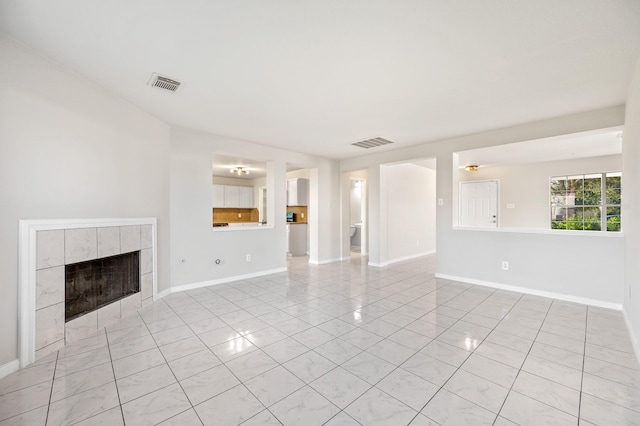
(316, 76)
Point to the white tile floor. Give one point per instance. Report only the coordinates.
(340, 344)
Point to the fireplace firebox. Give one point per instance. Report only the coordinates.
(95, 283)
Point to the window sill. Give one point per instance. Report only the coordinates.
(232, 228)
(560, 232)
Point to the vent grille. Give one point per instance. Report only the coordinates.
(164, 83)
(372, 143)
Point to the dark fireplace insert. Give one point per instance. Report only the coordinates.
(95, 283)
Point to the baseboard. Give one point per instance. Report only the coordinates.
(10, 367)
(225, 280)
(163, 293)
(632, 335)
(326, 261)
(412, 256)
(525, 290)
(378, 265)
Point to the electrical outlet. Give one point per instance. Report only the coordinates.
(505, 265)
(511, 206)
(440, 201)
(248, 258)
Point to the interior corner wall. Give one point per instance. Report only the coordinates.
(630, 209)
(70, 150)
(537, 261)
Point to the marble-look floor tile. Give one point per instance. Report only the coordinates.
(309, 366)
(368, 367)
(360, 338)
(391, 351)
(186, 418)
(208, 384)
(23, 400)
(112, 417)
(340, 387)
(190, 365)
(144, 382)
(156, 406)
(552, 371)
(548, 392)
(501, 354)
(429, 368)
(494, 371)
(410, 339)
(83, 405)
(26, 377)
(81, 381)
(273, 385)
(263, 418)
(182, 348)
(229, 408)
(82, 361)
(526, 411)
(601, 412)
(377, 408)
(614, 392)
(480, 391)
(613, 372)
(408, 388)
(338, 350)
(445, 352)
(304, 407)
(447, 408)
(285, 350)
(252, 364)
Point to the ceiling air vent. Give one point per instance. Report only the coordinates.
(372, 143)
(164, 83)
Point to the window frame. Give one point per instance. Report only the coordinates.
(604, 205)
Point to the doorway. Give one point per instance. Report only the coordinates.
(357, 215)
(479, 204)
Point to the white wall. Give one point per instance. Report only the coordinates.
(527, 186)
(192, 236)
(631, 207)
(69, 150)
(355, 202)
(476, 255)
(411, 210)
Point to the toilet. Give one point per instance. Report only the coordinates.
(352, 230)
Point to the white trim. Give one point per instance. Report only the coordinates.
(27, 270)
(378, 265)
(163, 293)
(632, 335)
(556, 232)
(10, 367)
(411, 256)
(525, 290)
(324, 262)
(201, 284)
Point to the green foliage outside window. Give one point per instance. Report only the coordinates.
(583, 202)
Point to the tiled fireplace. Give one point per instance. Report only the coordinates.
(48, 247)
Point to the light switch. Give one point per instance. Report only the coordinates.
(440, 201)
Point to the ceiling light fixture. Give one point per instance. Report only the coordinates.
(239, 170)
(471, 168)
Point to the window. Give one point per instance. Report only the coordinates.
(584, 202)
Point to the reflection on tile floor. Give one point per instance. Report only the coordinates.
(340, 344)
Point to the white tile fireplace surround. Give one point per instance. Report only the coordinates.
(46, 246)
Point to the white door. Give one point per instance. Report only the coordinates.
(479, 204)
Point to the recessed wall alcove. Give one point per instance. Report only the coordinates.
(48, 247)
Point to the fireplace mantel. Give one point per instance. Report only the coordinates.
(110, 236)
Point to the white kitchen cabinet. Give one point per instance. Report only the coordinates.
(246, 197)
(229, 196)
(297, 192)
(218, 196)
(297, 241)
